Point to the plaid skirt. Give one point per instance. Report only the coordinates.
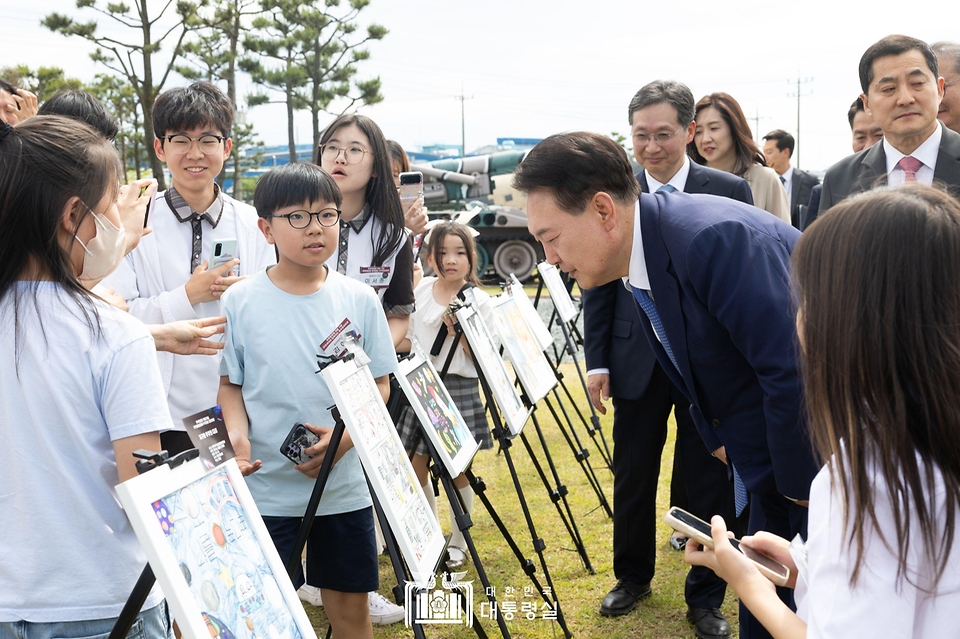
(465, 393)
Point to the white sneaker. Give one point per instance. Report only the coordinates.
(310, 594)
(383, 612)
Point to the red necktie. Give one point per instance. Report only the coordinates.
(909, 165)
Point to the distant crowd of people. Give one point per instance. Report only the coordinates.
(812, 377)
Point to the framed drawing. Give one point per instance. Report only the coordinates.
(387, 466)
(478, 336)
(534, 321)
(533, 369)
(441, 419)
(558, 292)
(212, 554)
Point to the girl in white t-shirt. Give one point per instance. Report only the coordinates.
(80, 385)
(878, 315)
(451, 253)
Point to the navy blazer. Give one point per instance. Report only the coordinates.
(802, 183)
(719, 274)
(612, 336)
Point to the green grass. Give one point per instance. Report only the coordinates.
(659, 616)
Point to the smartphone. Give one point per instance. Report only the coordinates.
(411, 187)
(695, 528)
(146, 216)
(222, 252)
(298, 440)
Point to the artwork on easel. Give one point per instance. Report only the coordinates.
(529, 362)
(211, 553)
(558, 292)
(534, 321)
(444, 425)
(418, 533)
(481, 343)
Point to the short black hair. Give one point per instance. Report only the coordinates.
(784, 140)
(576, 166)
(893, 45)
(185, 108)
(854, 109)
(674, 93)
(293, 184)
(82, 106)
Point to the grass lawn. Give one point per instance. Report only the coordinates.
(659, 616)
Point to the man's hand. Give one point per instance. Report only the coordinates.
(189, 337)
(132, 205)
(415, 217)
(598, 386)
(241, 448)
(110, 296)
(208, 285)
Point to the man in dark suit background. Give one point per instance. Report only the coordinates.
(902, 89)
(622, 365)
(948, 62)
(778, 147)
(712, 278)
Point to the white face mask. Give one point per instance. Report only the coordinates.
(104, 251)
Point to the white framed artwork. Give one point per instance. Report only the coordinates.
(558, 292)
(535, 373)
(534, 321)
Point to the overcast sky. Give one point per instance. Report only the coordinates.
(532, 68)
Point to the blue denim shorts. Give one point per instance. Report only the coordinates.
(151, 624)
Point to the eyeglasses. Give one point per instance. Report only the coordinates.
(180, 144)
(301, 219)
(353, 155)
(642, 139)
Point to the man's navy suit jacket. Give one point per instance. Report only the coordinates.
(719, 274)
(613, 338)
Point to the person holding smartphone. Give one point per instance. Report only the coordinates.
(16, 105)
(877, 323)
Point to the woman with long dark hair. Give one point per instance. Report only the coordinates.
(878, 322)
(723, 141)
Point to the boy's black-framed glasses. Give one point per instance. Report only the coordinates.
(301, 219)
(352, 155)
(180, 143)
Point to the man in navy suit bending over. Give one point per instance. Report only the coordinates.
(711, 280)
(622, 366)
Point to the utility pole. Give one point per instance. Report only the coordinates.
(463, 121)
(799, 93)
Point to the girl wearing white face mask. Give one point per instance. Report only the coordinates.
(81, 389)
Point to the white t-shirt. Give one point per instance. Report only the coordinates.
(68, 552)
(426, 321)
(270, 349)
(874, 608)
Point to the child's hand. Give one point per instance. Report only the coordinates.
(110, 296)
(726, 561)
(318, 451)
(132, 206)
(207, 285)
(450, 320)
(241, 448)
(415, 217)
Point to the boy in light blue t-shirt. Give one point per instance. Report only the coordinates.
(277, 322)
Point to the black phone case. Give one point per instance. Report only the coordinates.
(296, 442)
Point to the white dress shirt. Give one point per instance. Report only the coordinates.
(678, 181)
(926, 153)
(787, 179)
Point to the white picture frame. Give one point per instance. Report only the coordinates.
(529, 363)
(418, 533)
(441, 418)
(211, 553)
(481, 343)
(558, 292)
(540, 331)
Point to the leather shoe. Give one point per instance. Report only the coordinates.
(709, 623)
(623, 598)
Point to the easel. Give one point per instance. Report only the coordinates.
(593, 427)
(501, 434)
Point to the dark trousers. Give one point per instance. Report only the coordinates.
(780, 516)
(639, 432)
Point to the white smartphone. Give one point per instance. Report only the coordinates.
(411, 187)
(695, 528)
(222, 252)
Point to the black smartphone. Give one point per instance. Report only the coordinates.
(695, 528)
(146, 216)
(297, 441)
